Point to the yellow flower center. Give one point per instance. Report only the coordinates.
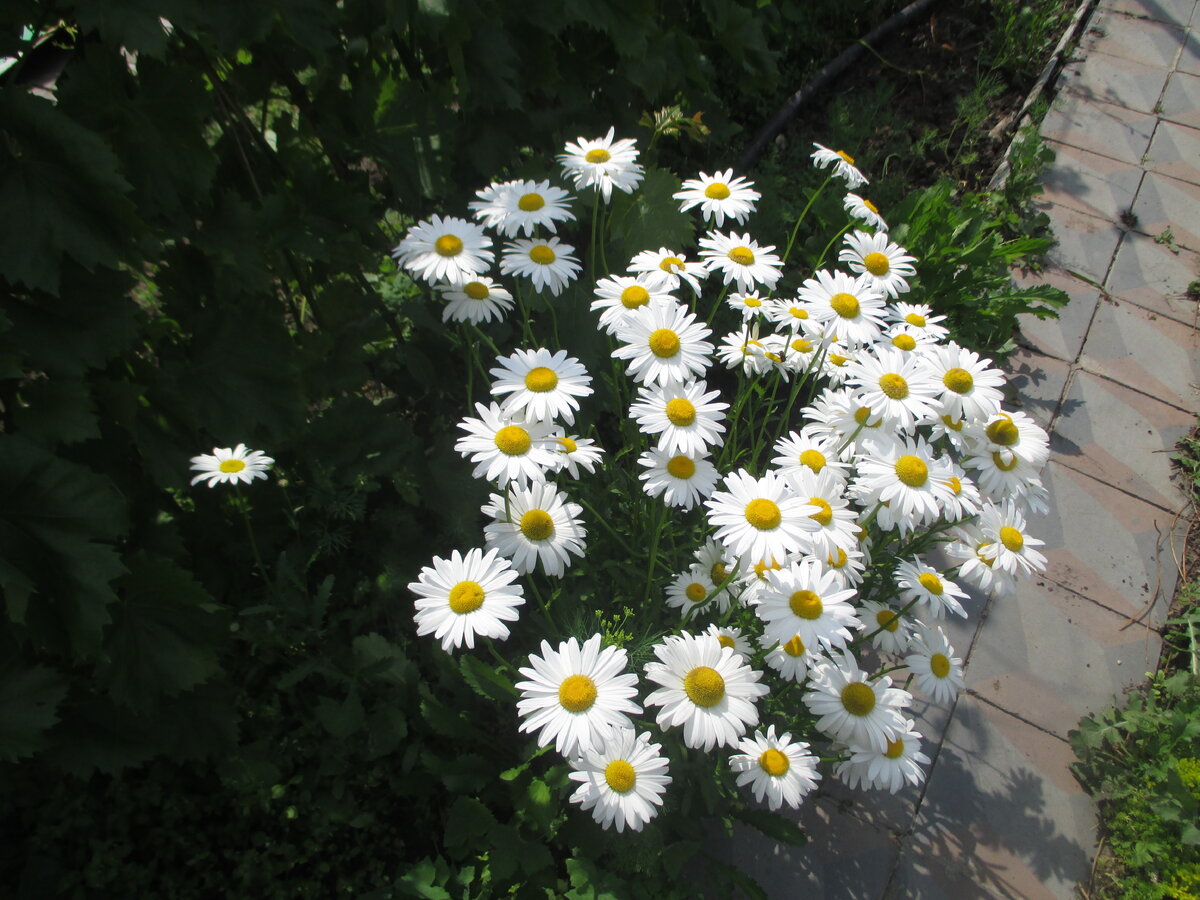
(794, 647)
(568, 444)
(537, 525)
(230, 466)
(577, 693)
(982, 554)
(838, 561)
(894, 386)
(814, 459)
(716, 191)
(774, 763)
(634, 296)
(465, 597)
(846, 156)
(895, 749)
(752, 302)
(958, 380)
(763, 514)
(955, 485)
(806, 605)
(904, 342)
(695, 592)
(476, 290)
(838, 360)
(704, 686)
(801, 345)
(888, 619)
(939, 665)
(718, 572)
(448, 245)
(531, 202)
(725, 640)
(620, 776)
(743, 256)
(1012, 539)
(797, 312)
(597, 156)
(671, 263)
(952, 424)
(871, 206)
(541, 379)
(858, 699)
(681, 467)
(931, 583)
(877, 264)
(1005, 465)
(912, 471)
(542, 255)
(664, 343)
(845, 305)
(680, 412)
(760, 568)
(915, 319)
(1003, 432)
(513, 440)
(824, 513)
(861, 416)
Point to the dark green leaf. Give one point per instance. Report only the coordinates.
(29, 698)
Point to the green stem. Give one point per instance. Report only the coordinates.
(653, 562)
(242, 505)
(803, 213)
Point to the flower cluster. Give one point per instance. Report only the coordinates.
(837, 525)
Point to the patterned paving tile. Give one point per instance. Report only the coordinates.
(1175, 151)
(1103, 128)
(1090, 183)
(1062, 337)
(1125, 82)
(1123, 438)
(1039, 381)
(1181, 100)
(1001, 818)
(1189, 59)
(1175, 12)
(1050, 656)
(1145, 351)
(1085, 243)
(1145, 272)
(1169, 209)
(1134, 37)
(1107, 546)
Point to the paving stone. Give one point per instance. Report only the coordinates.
(1107, 546)
(1085, 244)
(1189, 59)
(1181, 100)
(1039, 382)
(1154, 43)
(1145, 351)
(1122, 438)
(1175, 151)
(1174, 12)
(1103, 128)
(1169, 209)
(1050, 656)
(1090, 183)
(1062, 337)
(1125, 82)
(1148, 274)
(845, 856)
(1001, 817)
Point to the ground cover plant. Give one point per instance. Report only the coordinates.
(1142, 760)
(220, 689)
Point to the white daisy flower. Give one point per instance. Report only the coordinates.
(920, 317)
(925, 584)
(808, 450)
(890, 631)
(842, 162)
(1011, 547)
(759, 517)
(718, 196)
(704, 687)
(602, 163)
(728, 636)
(776, 768)
(789, 313)
(461, 597)
(445, 249)
(717, 561)
(840, 416)
(888, 769)
(740, 260)
(619, 296)
(977, 562)
(907, 477)
(748, 305)
(664, 344)
(690, 589)
(505, 448)
(685, 417)
(1000, 474)
(475, 301)
(852, 708)
(541, 384)
(907, 339)
(226, 466)
(838, 522)
(886, 263)
(522, 206)
(849, 307)
(535, 524)
(790, 659)
(803, 600)
(849, 566)
(668, 268)
(1010, 435)
(754, 581)
(969, 388)
(622, 779)
(937, 669)
(895, 385)
(864, 209)
(963, 499)
(572, 453)
(681, 479)
(803, 353)
(744, 348)
(574, 693)
(547, 262)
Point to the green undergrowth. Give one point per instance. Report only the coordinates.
(1142, 761)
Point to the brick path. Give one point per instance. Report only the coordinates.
(1114, 382)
